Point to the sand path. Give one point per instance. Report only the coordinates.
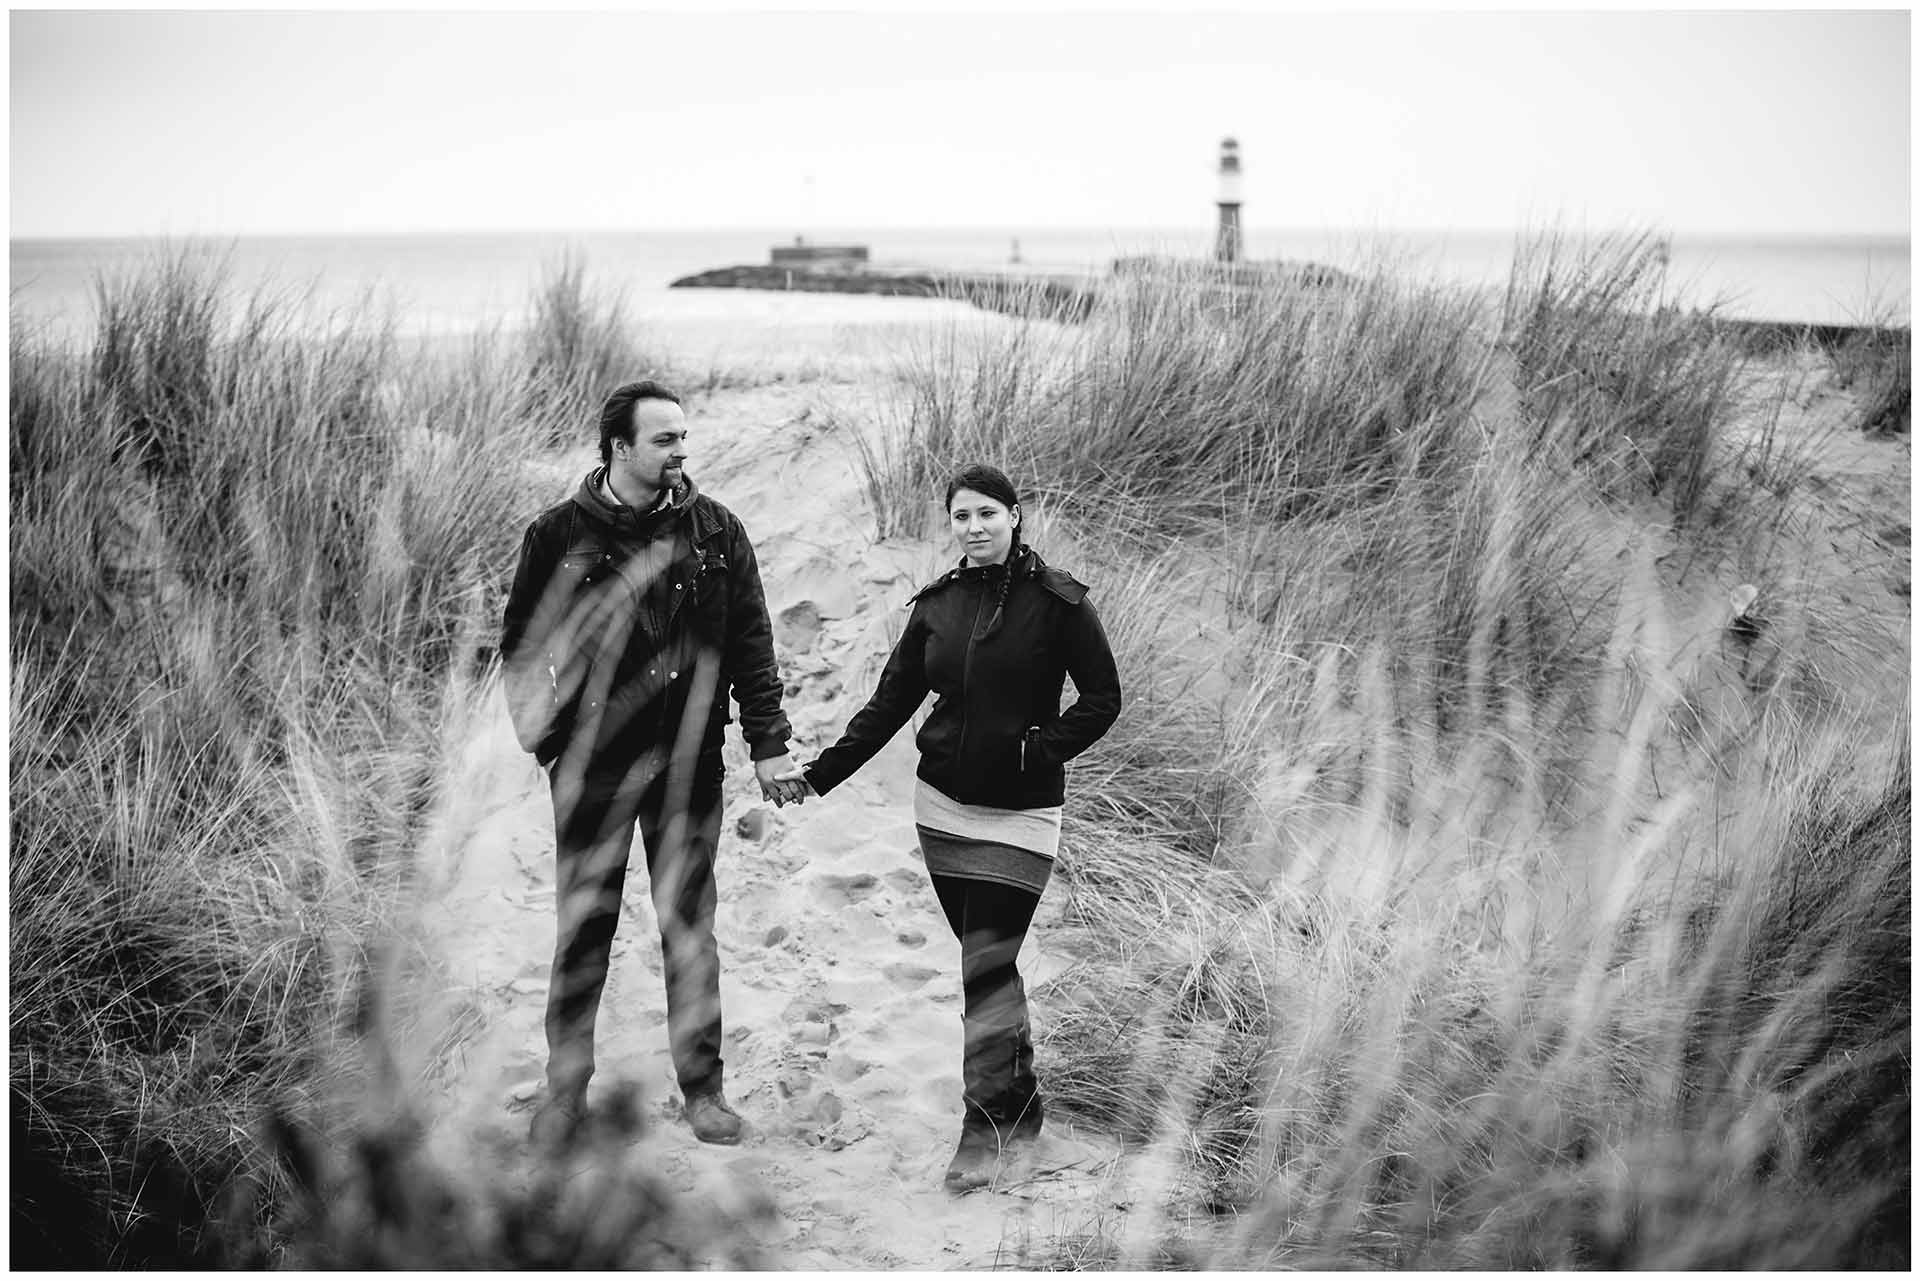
(840, 979)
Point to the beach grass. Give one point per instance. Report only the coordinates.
(1879, 363)
(1466, 1031)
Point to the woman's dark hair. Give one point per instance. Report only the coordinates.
(991, 481)
(616, 416)
(983, 479)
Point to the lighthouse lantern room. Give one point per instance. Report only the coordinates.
(1226, 243)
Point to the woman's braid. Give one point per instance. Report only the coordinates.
(1006, 585)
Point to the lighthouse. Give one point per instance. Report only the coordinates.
(1226, 242)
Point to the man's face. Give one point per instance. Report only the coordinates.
(654, 460)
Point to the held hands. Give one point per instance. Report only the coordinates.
(781, 781)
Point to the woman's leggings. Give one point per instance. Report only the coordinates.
(991, 920)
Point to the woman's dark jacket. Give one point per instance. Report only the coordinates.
(996, 735)
(625, 632)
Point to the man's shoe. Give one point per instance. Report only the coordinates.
(973, 1161)
(712, 1118)
(557, 1122)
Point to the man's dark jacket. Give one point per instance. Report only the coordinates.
(625, 631)
(996, 735)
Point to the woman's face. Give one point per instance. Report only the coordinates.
(982, 526)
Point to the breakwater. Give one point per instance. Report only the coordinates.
(1071, 297)
(1074, 297)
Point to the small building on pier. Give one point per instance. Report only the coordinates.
(801, 256)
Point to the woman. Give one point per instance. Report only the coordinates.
(995, 637)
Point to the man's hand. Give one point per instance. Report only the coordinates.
(781, 780)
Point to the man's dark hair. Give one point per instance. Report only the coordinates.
(616, 416)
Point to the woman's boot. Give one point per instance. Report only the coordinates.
(974, 1160)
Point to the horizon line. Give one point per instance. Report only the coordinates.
(786, 232)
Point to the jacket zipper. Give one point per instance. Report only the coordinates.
(966, 669)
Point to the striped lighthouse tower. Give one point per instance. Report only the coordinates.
(1226, 242)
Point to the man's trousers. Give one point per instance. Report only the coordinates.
(594, 824)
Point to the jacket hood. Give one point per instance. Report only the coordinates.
(619, 516)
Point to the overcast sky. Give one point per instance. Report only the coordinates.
(235, 122)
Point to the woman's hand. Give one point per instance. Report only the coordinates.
(777, 776)
(797, 775)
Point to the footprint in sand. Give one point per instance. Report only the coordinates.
(797, 627)
(840, 890)
(908, 975)
(844, 1068)
(906, 880)
(811, 1010)
(804, 1101)
(755, 825)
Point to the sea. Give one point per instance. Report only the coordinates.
(445, 284)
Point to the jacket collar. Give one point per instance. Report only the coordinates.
(1024, 563)
(591, 498)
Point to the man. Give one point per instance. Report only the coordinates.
(636, 609)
